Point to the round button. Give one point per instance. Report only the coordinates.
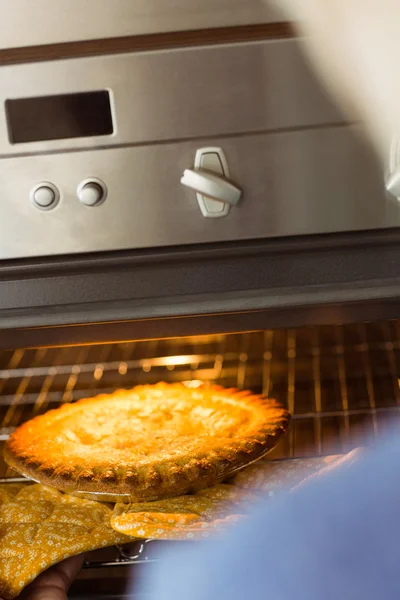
(91, 193)
(45, 196)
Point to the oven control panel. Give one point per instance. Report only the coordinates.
(185, 146)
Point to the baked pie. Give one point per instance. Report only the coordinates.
(147, 443)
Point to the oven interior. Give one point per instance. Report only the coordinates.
(340, 383)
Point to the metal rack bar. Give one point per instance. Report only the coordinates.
(267, 363)
(341, 366)
(291, 382)
(17, 398)
(368, 377)
(219, 359)
(73, 377)
(390, 350)
(135, 554)
(243, 358)
(90, 368)
(316, 365)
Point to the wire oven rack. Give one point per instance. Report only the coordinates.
(340, 383)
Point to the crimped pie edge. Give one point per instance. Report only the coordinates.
(164, 479)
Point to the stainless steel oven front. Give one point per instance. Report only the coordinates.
(175, 146)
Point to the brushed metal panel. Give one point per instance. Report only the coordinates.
(305, 182)
(181, 93)
(38, 22)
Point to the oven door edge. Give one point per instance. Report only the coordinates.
(202, 289)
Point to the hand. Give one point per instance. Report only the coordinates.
(355, 45)
(54, 583)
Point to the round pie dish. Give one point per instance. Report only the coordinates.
(147, 443)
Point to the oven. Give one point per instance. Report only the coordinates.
(181, 201)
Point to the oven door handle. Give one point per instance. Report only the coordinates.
(212, 185)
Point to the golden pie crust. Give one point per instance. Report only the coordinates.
(149, 443)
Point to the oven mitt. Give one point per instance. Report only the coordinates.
(196, 516)
(272, 476)
(341, 462)
(40, 527)
(185, 517)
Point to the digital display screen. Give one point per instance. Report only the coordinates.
(59, 117)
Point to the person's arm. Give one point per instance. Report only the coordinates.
(355, 47)
(336, 537)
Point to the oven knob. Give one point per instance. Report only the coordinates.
(92, 192)
(45, 196)
(210, 181)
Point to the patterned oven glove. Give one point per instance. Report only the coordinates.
(212, 510)
(40, 527)
(273, 476)
(184, 517)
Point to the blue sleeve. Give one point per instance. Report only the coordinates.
(336, 538)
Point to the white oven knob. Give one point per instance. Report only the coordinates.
(210, 180)
(91, 192)
(45, 196)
